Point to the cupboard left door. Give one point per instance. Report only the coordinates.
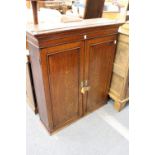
(62, 68)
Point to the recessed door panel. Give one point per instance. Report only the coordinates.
(65, 71)
(100, 55)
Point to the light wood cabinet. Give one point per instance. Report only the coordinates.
(72, 71)
(119, 90)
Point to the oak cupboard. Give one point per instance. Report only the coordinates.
(119, 89)
(72, 68)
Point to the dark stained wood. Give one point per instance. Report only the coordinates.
(35, 11)
(43, 108)
(53, 39)
(94, 9)
(63, 69)
(61, 61)
(99, 57)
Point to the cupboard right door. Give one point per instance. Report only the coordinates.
(99, 59)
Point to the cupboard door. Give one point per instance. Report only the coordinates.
(99, 63)
(63, 73)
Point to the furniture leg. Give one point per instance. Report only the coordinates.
(119, 105)
(35, 13)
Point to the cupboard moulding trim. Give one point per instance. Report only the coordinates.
(56, 52)
(43, 33)
(56, 127)
(107, 42)
(35, 45)
(50, 97)
(67, 123)
(32, 40)
(75, 32)
(57, 44)
(58, 38)
(89, 33)
(52, 43)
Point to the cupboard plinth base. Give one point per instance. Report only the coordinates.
(56, 130)
(118, 105)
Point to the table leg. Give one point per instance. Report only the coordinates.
(35, 11)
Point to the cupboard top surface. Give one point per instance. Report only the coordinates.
(46, 28)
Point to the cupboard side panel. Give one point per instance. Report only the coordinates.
(38, 85)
